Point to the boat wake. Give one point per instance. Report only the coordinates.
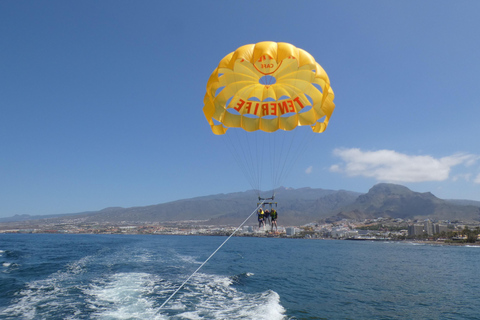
(99, 287)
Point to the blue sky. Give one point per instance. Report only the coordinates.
(101, 101)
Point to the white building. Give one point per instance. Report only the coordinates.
(290, 231)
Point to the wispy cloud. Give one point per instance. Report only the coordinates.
(309, 170)
(392, 166)
(477, 179)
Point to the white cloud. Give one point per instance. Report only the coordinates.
(309, 170)
(465, 177)
(477, 179)
(392, 166)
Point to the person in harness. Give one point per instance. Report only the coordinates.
(274, 216)
(261, 217)
(267, 217)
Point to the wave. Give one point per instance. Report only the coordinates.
(10, 254)
(187, 259)
(124, 296)
(50, 297)
(212, 297)
(93, 287)
(9, 267)
(140, 295)
(240, 279)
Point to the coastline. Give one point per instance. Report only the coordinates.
(270, 235)
(443, 243)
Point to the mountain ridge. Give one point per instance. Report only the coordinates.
(295, 207)
(396, 201)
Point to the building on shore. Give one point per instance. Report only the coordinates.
(428, 227)
(416, 229)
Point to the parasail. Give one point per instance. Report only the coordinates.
(267, 88)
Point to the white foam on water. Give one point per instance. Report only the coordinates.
(9, 267)
(35, 294)
(214, 297)
(415, 244)
(143, 256)
(124, 296)
(42, 298)
(139, 295)
(187, 259)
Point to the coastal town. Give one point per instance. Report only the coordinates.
(379, 229)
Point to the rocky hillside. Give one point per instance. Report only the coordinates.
(295, 207)
(396, 201)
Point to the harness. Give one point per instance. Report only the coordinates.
(260, 214)
(273, 214)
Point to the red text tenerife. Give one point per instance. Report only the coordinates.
(270, 108)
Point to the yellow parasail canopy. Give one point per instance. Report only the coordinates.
(268, 86)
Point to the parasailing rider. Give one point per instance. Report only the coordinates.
(261, 217)
(267, 217)
(274, 216)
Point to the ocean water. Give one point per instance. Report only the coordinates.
(130, 276)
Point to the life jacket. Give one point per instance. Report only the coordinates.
(260, 214)
(273, 214)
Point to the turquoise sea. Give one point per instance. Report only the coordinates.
(54, 276)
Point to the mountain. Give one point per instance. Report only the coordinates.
(27, 217)
(295, 207)
(396, 201)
